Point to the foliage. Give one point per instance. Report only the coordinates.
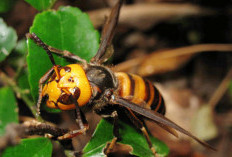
(41, 4)
(34, 147)
(8, 38)
(66, 29)
(130, 136)
(8, 108)
(5, 5)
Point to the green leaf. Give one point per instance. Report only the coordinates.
(8, 108)
(41, 4)
(35, 147)
(65, 29)
(23, 80)
(17, 58)
(23, 83)
(130, 136)
(6, 5)
(21, 47)
(8, 38)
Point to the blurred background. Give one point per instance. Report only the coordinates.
(182, 46)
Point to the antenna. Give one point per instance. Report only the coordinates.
(39, 42)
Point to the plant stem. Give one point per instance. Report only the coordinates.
(19, 92)
(220, 91)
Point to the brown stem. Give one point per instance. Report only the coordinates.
(15, 132)
(19, 92)
(217, 95)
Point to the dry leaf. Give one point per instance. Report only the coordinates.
(149, 14)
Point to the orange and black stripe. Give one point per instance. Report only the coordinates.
(140, 91)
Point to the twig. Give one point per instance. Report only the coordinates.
(220, 91)
(193, 49)
(15, 132)
(38, 128)
(21, 93)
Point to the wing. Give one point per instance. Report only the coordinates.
(168, 129)
(107, 35)
(157, 118)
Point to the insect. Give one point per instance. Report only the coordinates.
(97, 87)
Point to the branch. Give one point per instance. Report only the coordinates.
(15, 132)
(20, 93)
(220, 91)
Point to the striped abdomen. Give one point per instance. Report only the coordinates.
(140, 91)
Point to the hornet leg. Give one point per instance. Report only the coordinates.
(139, 124)
(109, 147)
